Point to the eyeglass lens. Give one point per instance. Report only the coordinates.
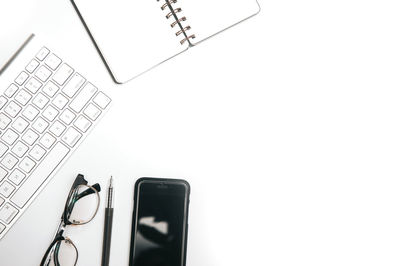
(82, 205)
(64, 254)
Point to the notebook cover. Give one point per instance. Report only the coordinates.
(131, 35)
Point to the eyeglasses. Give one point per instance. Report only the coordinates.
(80, 208)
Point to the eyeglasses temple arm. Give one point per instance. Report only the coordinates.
(46, 254)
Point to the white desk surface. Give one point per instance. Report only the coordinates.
(287, 128)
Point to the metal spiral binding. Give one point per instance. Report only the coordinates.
(178, 20)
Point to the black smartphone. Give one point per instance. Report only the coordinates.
(160, 222)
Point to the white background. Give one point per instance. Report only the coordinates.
(286, 126)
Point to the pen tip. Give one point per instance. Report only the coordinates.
(111, 181)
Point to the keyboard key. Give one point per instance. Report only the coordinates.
(12, 109)
(71, 136)
(41, 173)
(9, 136)
(67, 116)
(53, 61)
(50, 113)
(83, 97)
(23, 97)
(37, 152)
(27, 164)
(19, 149)
(20, 124)
(33, 64)
(21, 78)
(73, 85)
(7, 213)
(4, 121)
(3, 149)
(1, 203)
(102, 100)
(40, 100)
(11, 90)
(62, 74)
(6, 189)
(57, 128)
(50, 89)
(9, 161)
(3, 173)
(82, 123)
(2, 227)
(60, 101)
(42, 53)
(30, 137)
(30, 112)
(92, 111)
(47, 140)
(40, 125)
(3, 101)
(33, 85)
(43, 73)
(16, 177)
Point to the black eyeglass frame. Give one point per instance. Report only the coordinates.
(69, 206)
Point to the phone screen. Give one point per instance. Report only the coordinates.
(160, 224)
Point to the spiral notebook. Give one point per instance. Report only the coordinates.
(133, 36)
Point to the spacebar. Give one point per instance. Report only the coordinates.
(40, 174)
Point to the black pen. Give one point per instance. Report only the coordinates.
(108, 219)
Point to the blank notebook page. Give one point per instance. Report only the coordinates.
(133, 35)
(208, 17)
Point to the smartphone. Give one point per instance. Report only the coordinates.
(160, 222)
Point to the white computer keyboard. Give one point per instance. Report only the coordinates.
(44, 115)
